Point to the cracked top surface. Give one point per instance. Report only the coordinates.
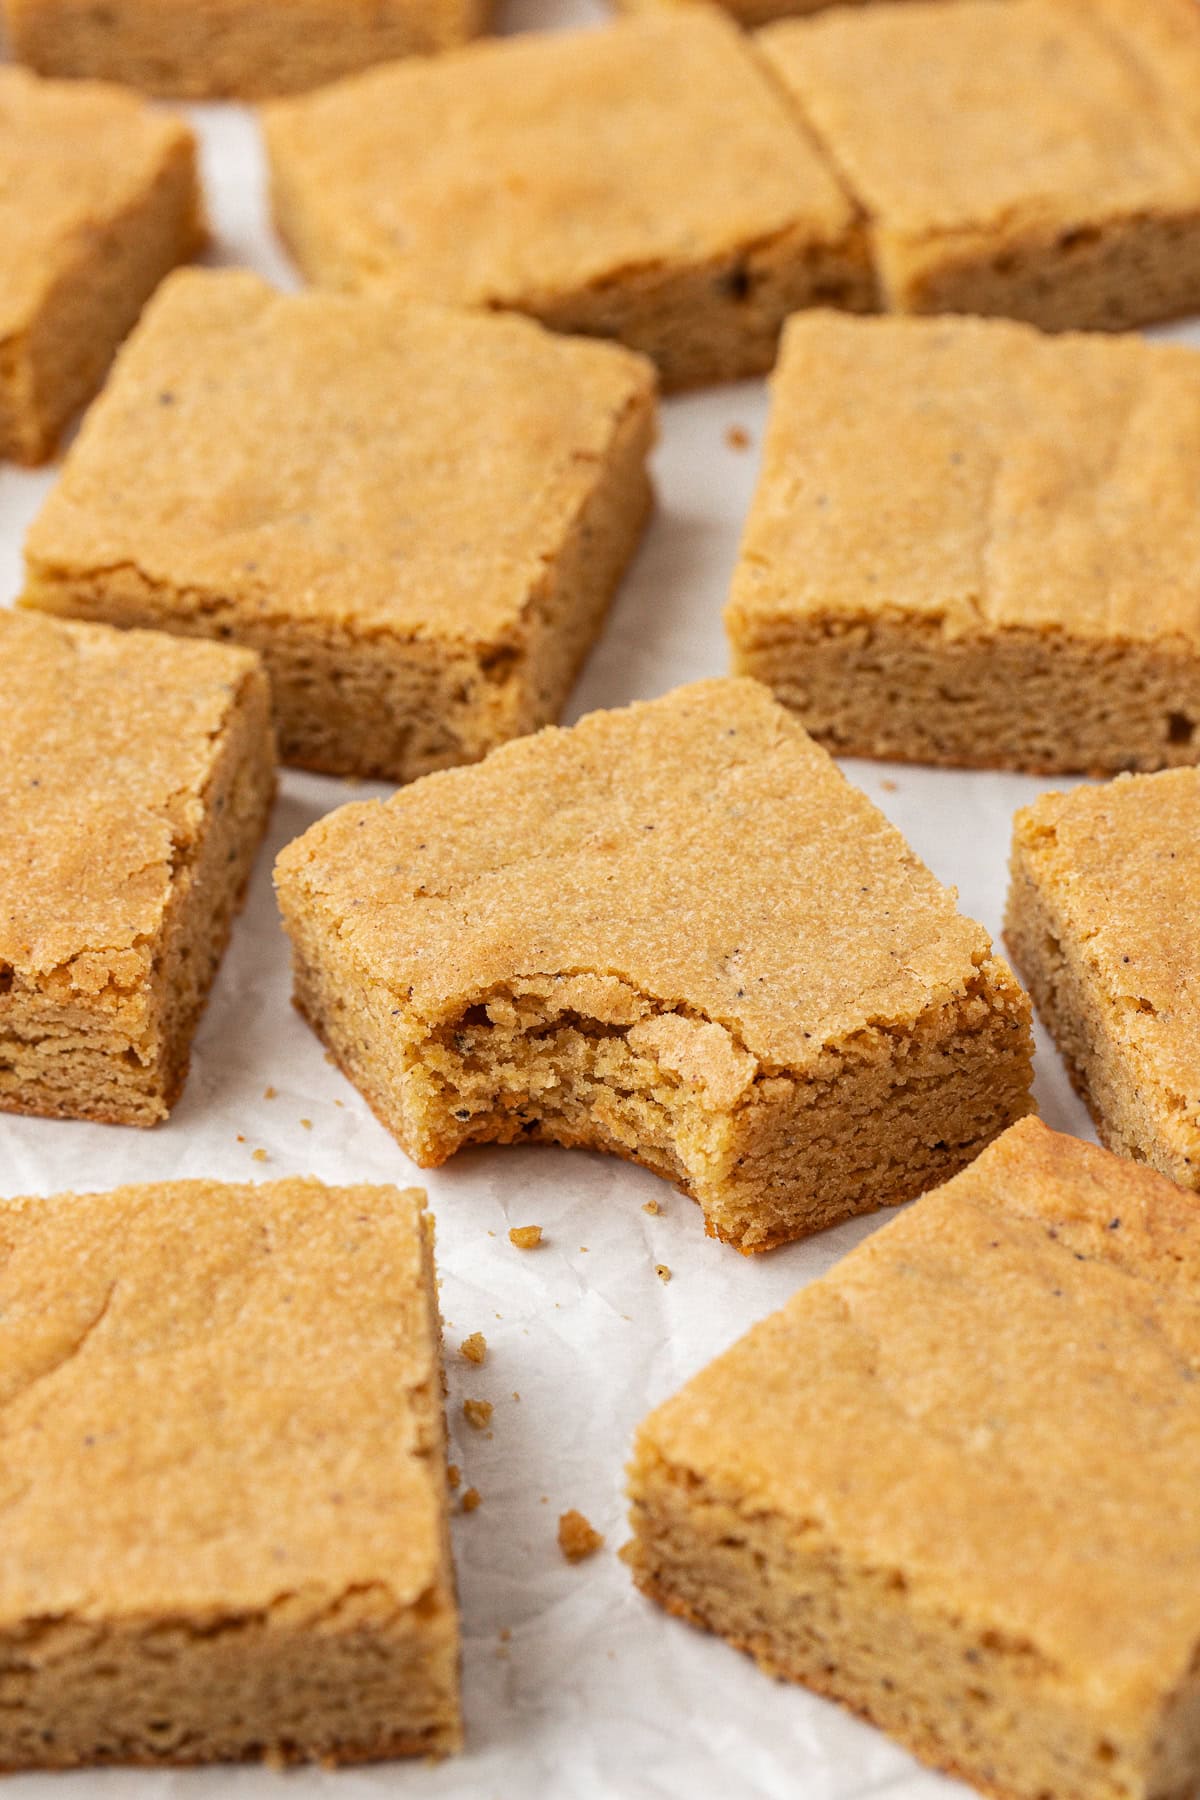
(73, 154)
(216, 1398)
(1119, 869)
(110, 738)
(288, 456)
(998, 117)
(522, 170)
(976, 474)
(996, 1398)
(699, 847)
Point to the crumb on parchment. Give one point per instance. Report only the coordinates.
(471, 1499)
(453, 1475)
(577, 1538)
(478, 1413)
(652, 1206)
(474, 1348)
(737, 437)
(662, 1271)
(259, 1155)
(525, 1237)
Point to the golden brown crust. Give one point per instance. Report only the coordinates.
(883, 1493)
(606, 127)
(99, 198)
(468, 951)
(267, 1568)
(135, 791)
(909, 580)
(1054, 174)
(1102, 919)
(399, 638)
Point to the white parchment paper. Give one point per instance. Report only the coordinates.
(592, 1692)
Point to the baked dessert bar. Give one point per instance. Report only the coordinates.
(207, 49)
(1103, 923)
(673, 932)
(974, 544)
(98, 199)
(646, 182)
(221, 1541)
(417, 516)
(952, 1483)
(135, 786)
(1037, 158)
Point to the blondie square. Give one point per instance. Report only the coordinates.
(646, 182)
(974, 544)
(1038, 158)
(98, 199)
(202, 49)
(1104, 925)
(136, 781)
(952, 1484)
(675, 933)
(224, 1478)
(417, 516)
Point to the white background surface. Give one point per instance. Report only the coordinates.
(596, 1693)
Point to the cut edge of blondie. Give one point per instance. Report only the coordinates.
(363, 703)
(57, 363)
(114, 1681)
(721, 321)
(900, 687)
(122, 1057)
(587, 1059)
(1130, 1110)
(840, 1627)
(1074, 273)
(1119, 276)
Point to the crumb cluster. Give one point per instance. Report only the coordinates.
(577, 1538)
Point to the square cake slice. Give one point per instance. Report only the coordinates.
(1104, 923)
(417, 516)
(1035, 158)
(646, 182)
(974, 544)
(673, 932)
(224, 1478)
(135, 788)
(99, 198)
(952, 1484)
(205, 49)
